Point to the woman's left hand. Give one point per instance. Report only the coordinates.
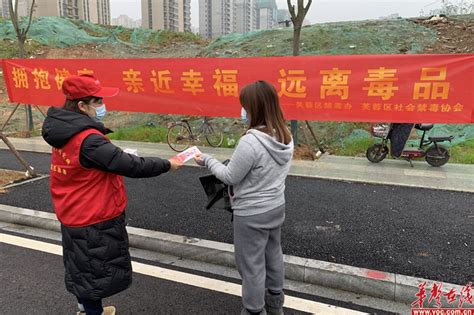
(198, 160)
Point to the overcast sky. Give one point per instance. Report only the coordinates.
(320, 11)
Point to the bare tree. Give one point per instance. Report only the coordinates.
(297, 17)
(21, 33)
(21, 36)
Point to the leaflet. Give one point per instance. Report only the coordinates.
(187, 154)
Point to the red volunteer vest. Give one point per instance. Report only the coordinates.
(83, 196)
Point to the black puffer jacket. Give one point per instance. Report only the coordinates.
(97, 152)
(96, 257)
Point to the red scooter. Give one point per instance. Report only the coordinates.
(434, 154)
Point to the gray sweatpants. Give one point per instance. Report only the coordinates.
(258, 255)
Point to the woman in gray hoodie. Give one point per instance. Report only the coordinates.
(256, 177)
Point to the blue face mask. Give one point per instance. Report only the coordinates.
(100, 112)
(243, 115)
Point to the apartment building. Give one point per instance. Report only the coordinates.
(23, 8)
(4, 11)
(245, 16)
(126, 21)
(94, 11)
(267, 14)
(172, 15)
(216, 17)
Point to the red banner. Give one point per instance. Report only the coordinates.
(394, 88)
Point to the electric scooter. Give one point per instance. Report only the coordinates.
(435, 154)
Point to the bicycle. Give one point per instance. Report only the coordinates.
(180, 135)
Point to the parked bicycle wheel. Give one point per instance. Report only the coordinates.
(214, 137)
(437, 156)
(178, 137)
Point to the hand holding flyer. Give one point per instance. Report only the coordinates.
(187, 155)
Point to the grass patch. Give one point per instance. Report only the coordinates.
(25, 133)
(356, 147)
(125, 34)
(463, 152)
(9, 48)
(141, 133)
(167, 37)
(230, 140)
(158, 134)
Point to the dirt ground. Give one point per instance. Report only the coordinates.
(7, 177)
(455, 35)
(304, 152)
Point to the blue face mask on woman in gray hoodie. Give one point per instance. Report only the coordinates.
(243, 116)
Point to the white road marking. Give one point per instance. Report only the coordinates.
(187, 278)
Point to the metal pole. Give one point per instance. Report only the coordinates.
(294, 131)
(9, 117)
(314, 137)
(306, 137)
(38, 108)
(29, 118)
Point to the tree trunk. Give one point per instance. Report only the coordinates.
(296, 52)
(29, 119)
(297, 17)
(21, 48)
(296, 41)
(29, 112)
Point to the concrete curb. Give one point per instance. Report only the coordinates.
(361, 281)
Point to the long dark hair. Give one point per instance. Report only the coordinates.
(260, 100)
(72, 104)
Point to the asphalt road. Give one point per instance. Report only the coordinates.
(410, 231)
(33, 283)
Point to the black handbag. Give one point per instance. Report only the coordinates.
(217, 192)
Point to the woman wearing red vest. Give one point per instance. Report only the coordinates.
(88, 193)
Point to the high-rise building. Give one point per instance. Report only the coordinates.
(23, 8)
(94, 11)
(4, 11)
(172, 15)
(267, 14)
(245, 16)
(126, 21)
(216, 17)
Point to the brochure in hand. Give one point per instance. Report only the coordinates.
(187, 154)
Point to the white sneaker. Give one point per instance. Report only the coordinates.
(109, 310)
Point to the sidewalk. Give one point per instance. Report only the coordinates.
(456, 177)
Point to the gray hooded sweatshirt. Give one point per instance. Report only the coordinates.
(257, 172)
